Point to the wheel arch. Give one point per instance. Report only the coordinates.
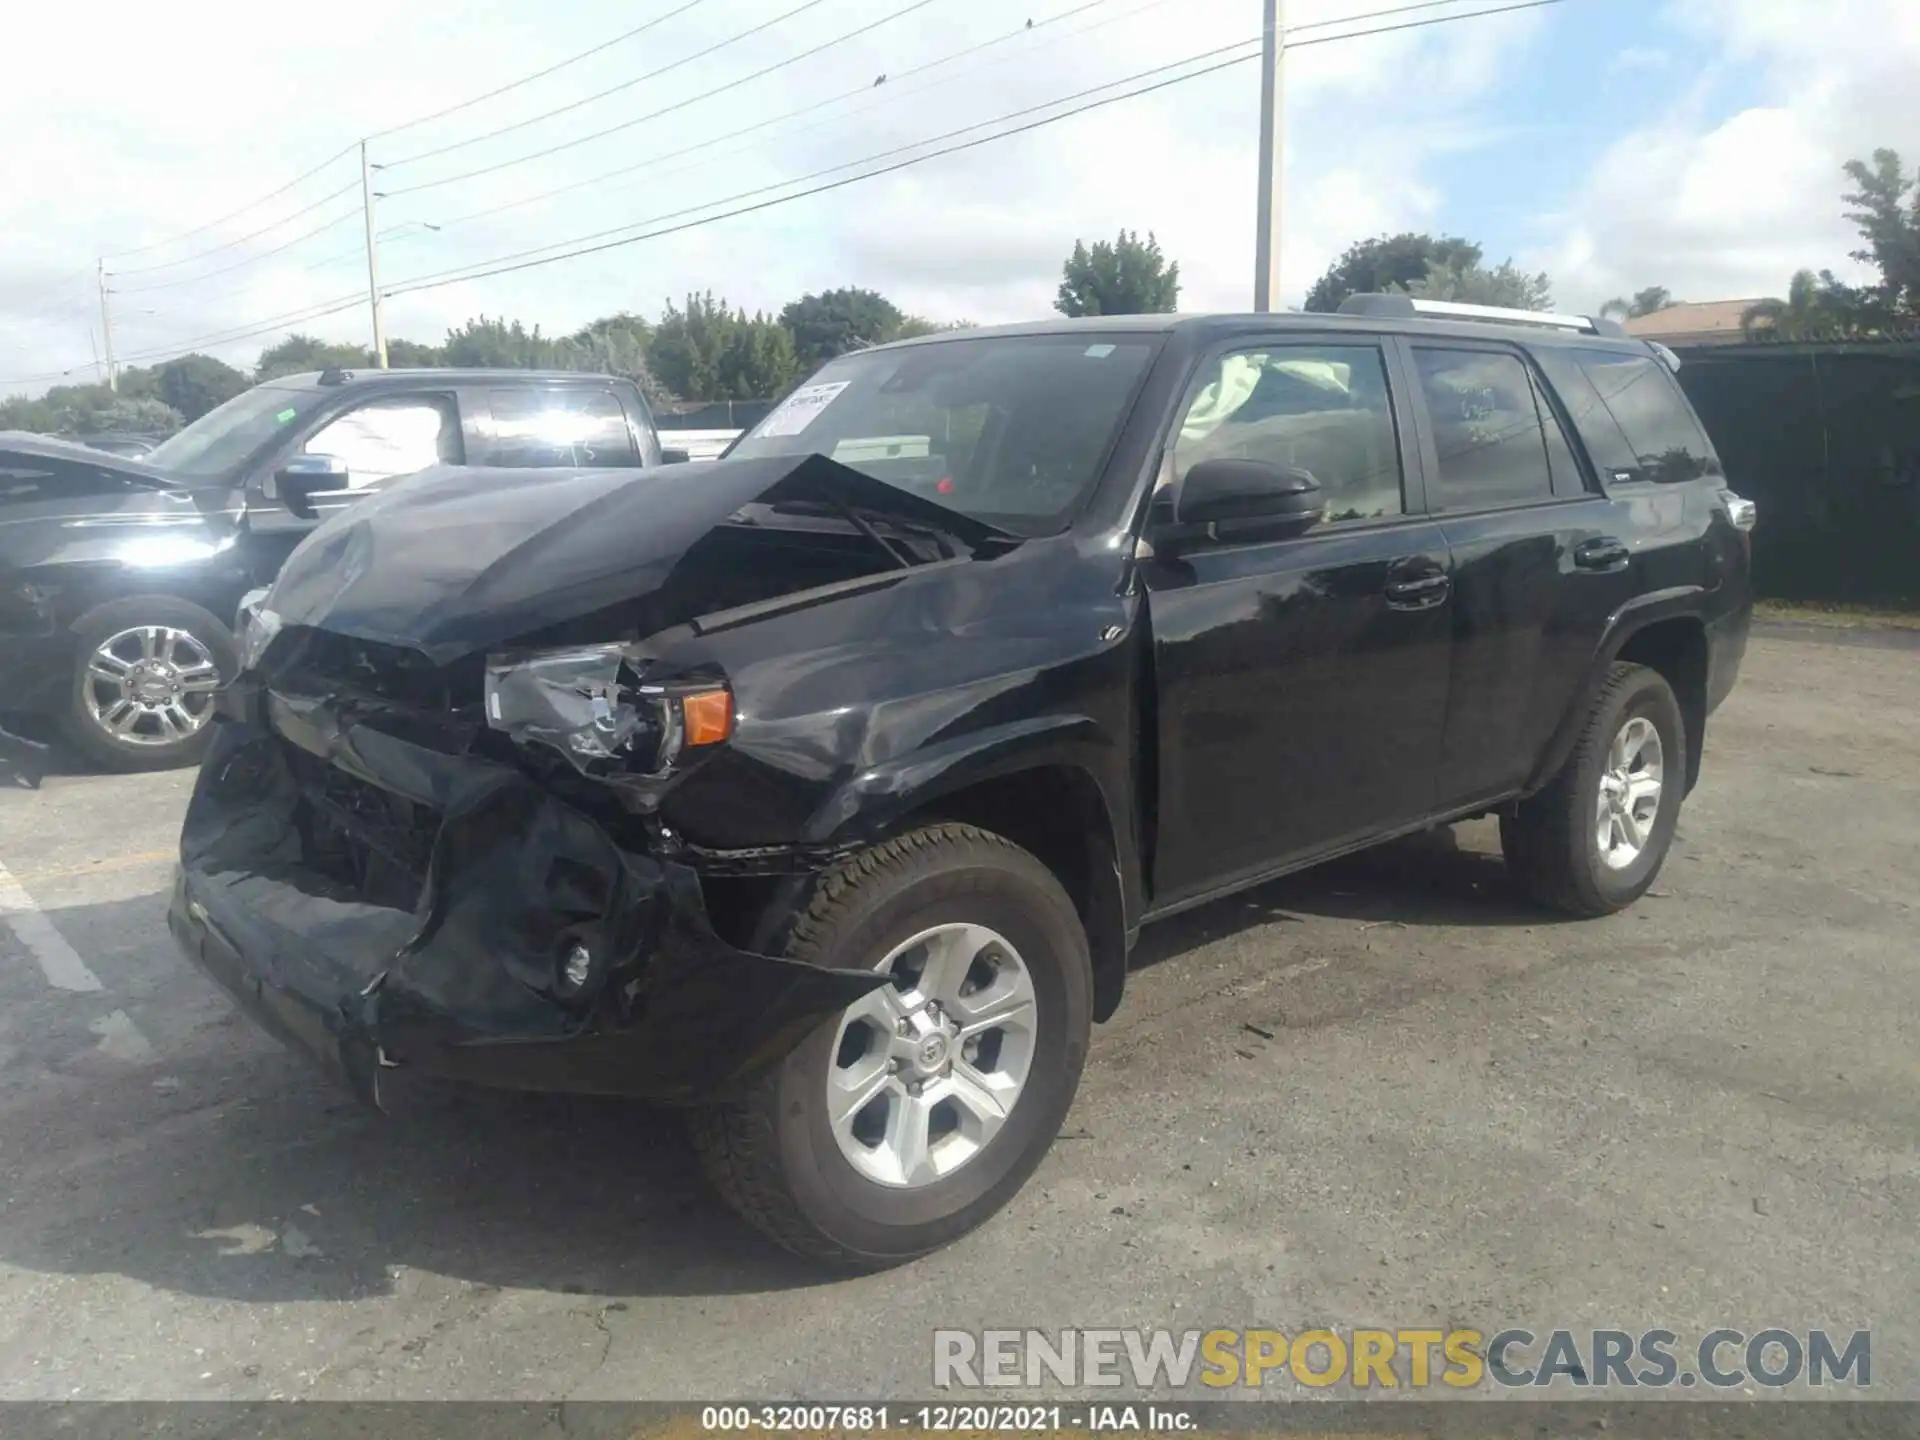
(1040, 784)
(1666, 631)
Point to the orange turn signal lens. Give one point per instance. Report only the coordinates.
(708, 715)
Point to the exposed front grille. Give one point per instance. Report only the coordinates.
(371, 840)
(387, 672)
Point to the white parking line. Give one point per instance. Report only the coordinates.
(59, 961)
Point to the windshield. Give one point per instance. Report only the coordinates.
(1011, 430)
(225, 437)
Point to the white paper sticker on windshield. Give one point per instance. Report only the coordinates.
(800, 408)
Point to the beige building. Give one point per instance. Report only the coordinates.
(1710, 322)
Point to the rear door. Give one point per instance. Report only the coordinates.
(1301, 681)
(535, 426)
(1541, 558)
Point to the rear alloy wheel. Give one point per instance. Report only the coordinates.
(1593, 840)
(146, 672)
(922, 1108)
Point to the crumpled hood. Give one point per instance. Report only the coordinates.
(456, 559)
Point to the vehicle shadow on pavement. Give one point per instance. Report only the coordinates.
(228, 1168)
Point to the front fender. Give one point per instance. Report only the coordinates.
(873, 801)
(978, 768)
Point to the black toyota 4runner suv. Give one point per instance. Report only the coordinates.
(823, 790)
(120, 574)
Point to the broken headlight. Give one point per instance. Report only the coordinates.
(592, 705)
(257, 626)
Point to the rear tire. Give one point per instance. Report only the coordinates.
(1592, 841)
(144, 672)
(779, 1156)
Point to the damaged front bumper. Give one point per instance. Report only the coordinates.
(480, 977)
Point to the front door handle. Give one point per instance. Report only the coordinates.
(1418, 592)
(1603, 554)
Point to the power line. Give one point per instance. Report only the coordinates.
(233, 215)
(466, 273)
(1415, 24)
(240, 240)
(536, 75)
(666, 109)
(1374, 15)
(611, 90)
(317, 311)
(891, 94)
(353, 213)
(451, 277)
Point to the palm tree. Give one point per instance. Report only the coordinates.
(1817, 307)
(1644, 302)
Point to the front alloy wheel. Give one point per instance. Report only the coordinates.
(145, 672)
(926, 1070)
(150, 685)
(920, 1110)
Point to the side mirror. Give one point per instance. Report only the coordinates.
(303, 477)
(1224, 498)
(675, 457)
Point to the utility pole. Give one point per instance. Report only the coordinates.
(1273, 119)
(373, 259)
(106, 330)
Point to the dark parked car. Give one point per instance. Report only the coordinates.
(824, 789)
(120, 576)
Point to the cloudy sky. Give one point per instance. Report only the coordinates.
(1695, 144)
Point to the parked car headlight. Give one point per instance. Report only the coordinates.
(257, 626)
(592, 705)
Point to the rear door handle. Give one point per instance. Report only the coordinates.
(1418, 592)
(1604, 554)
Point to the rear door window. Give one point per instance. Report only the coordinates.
(536, 429)
(1487, 430)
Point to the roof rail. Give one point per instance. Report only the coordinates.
(1410, 307)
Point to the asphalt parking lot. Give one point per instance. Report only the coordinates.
(1383, 1093)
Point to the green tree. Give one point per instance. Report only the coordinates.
(709, 351)
(195, 384)
(1649, 301)
(485, 344)
(88, 409)
(1386, 262)
(1886, 203)
(836, 321)
(1817, 307)
(1127, 277)
(615, 345)
(1503, 285)
(412, 355)
(299, 353)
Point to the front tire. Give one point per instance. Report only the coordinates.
(913, 1117)
(1593, 840)
(145, 670)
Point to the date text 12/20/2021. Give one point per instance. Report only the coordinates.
(774, 1419)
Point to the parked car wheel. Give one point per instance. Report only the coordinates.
(1593, 840)
(920, 1111)
(145, 670)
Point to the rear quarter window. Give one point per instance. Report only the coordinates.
(1631, 414)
